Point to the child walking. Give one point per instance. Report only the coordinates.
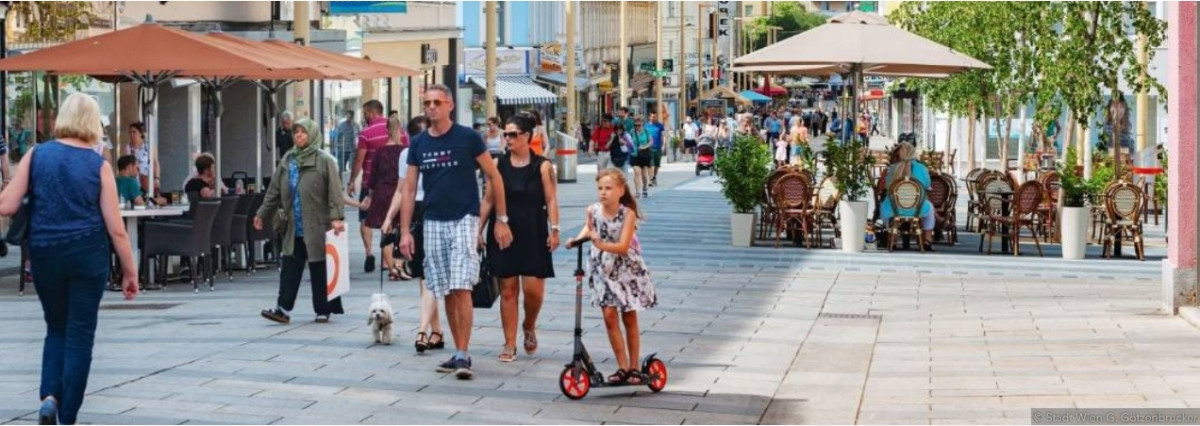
(619, 281)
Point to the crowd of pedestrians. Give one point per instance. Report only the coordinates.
(418, 188)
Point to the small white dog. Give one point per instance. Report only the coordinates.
(380, 318)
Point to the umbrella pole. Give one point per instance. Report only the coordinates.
(258, 142)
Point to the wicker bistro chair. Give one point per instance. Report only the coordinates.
(1024, 214)
(906, 195)
(943, 195)
(1124, 206)
(793, 200)
(190, 240)
(239, 234)
(990, 205)
(974, 203)
(768, 207)
(1048, 210)
(825, 209)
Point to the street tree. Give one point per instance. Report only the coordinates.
(789, 16)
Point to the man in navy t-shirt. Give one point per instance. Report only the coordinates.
(446, 157)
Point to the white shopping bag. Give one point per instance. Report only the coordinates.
(337, 266)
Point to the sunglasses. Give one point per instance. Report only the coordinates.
(512, 135)
(433, 102)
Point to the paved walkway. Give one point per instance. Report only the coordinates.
(750, 334)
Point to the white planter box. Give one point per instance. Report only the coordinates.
(741, 226)
(1074, 232)
(853, 224)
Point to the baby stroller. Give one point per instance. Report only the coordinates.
(706, 155)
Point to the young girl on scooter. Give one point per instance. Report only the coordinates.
(619, 281)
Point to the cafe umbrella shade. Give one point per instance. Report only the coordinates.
(859, 43)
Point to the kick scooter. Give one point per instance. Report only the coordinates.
(580, 375)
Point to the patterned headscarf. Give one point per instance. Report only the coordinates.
(307, 154)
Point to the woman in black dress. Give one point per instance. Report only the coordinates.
(533, 217)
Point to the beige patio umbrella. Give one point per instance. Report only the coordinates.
(859, 43)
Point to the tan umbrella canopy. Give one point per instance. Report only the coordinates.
(721, 92)
(859, 43)
(857, 39)
(361, 69)
(137, 53)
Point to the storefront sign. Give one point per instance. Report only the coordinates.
(724, 11)
(508, 61)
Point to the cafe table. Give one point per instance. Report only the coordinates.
(132, 216)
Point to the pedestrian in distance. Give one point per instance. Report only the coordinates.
(373, 137)
(74, 220)
(619, 281)
(384, 178)
(523, 267)
(305, 202)
(445, 157)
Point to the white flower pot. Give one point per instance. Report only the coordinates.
(853, 224)
(1074, 232)
(741, 227)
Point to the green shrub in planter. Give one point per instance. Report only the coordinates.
(743, 170)
(1077, 191)
(850, 168)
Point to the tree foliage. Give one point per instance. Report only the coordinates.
(791, 17)
(52, 20)
(1048, 54)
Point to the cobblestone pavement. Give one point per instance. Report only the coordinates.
(750, 334)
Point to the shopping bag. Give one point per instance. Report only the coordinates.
(487, 290)
(337, 265)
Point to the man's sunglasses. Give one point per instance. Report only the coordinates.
(433, 102)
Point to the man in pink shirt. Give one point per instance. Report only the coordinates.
(373, 136)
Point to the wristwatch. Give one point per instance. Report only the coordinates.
(554, 228)
(502, 218)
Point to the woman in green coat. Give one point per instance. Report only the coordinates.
(303, 202)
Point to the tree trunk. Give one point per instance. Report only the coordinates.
(971, 136)
(1000, 139)
(949, 134)
(1006, 142)
(1068, 138)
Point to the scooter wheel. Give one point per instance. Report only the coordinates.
(574, 382)
(656, 372)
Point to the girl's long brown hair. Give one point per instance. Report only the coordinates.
(627, 199)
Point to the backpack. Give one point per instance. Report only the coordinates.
(618, 151)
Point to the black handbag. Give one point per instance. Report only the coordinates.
(18, 226)
(487, 290)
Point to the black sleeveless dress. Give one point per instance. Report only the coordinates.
(527, 218)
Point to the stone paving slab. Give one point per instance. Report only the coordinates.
(951, 337)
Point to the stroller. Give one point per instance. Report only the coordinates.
(706, 155)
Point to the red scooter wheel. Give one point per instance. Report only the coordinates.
(574, 382)
(657, 375)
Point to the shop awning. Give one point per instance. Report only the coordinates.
(517, 90)
(755, 97)
(582, 82)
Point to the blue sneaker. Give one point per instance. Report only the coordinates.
(449, 366)
(48, 414)
(463, 369)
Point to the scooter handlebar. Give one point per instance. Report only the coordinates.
(578, 242)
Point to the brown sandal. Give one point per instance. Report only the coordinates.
(617, 377)
(531, 343)
(422, 343)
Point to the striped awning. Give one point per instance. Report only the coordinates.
(517, 90)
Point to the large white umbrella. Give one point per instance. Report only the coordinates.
(859, 43)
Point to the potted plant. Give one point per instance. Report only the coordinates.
(850, 167)
(743, 170)
(1077, 192)
(676, 146)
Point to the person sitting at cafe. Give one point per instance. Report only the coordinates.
(205, 181)
(128, 186)
(905, 166)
